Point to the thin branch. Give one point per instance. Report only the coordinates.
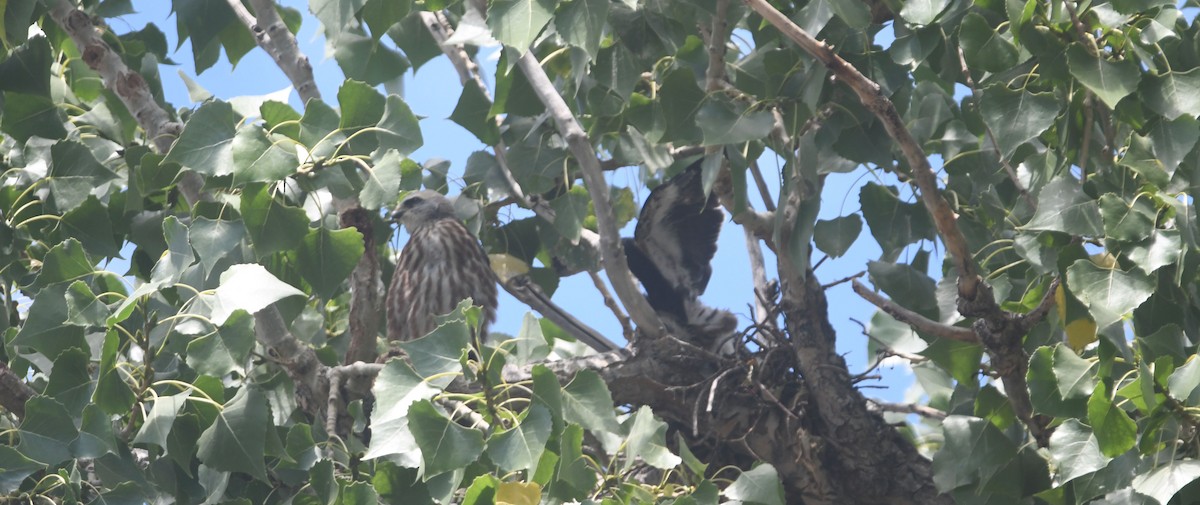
(917, 321)
(1008, 168)
(758, 272)
(910, 408)
(1035, 316)
(13, 391)
(612, 255)
(763, 191)
(869, 93)
(626, 328)
(524, 289)
(843, 280)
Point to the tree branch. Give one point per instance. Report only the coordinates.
(272, 34)
(524, 289)
(917, 321)
(612, 256)
(910, 408)
(13, 391)
(871, 97)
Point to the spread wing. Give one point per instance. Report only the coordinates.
(677, 232)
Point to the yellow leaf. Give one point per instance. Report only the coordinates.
(1060, 301)
(507, 266)
(1080, 333)
(1104, 260)
(518, 493)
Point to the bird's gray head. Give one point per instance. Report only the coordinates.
(421, 208)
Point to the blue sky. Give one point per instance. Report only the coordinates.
(433, 91)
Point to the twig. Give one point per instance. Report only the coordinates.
(917, 321)
(612, 256)
(333, 405)
(626, 328)
(842, 280)
(1008, 168)
(758, 272)
(1035, 316)
(909, 408)
(763, 191)
(1086, 145)
(528, 292)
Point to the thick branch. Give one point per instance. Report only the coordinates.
(611, 253)
(127, 84)
(871, 97)
(917, 321)
(272, 34)
(13, 391)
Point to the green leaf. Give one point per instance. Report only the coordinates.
(974, 451)
(83, 308)
(520, 447)
(1125, 221)
(1109, 80)
(71, 383)
(14, 468)
(1185, 379)
(382, 187)
(1163, 482)
(472, 113)
(581, 23)
(248, 287)
(214, 240)
(380, 15)
(45, 329)
(259, 157)
(178, 256)
(1075, 451)
(335, 14)
(1115, 431)
(161, 418)
(647, 440)
(327, 257)
(570, 210)
(367, 59)
(922, 12)
(1108, 293)
(587, 401)
(761, 484)
(1173, 94)
(907, 286)
(28, 116)
(272, 226)
(1074, 376)
(47, 431)
(835, 236)
(236, 441)
(893, 223)
(1160, 152)
(206, 144)
(27, 68)
(1017, 117)
(1064, 207)
(438, 353)
(64, 262)
(89, 223)
(724, 121)
(400, 128)
(680, 98)
(414, 39)
(960, 359)
(530, 345)
(224, 350)
(396, 388)
(516, 23)
(113, 395)
(983, 47)
(445, 446)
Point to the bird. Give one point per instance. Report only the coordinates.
(671, 254)
(441, 265)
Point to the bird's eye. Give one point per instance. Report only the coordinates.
(410, 203)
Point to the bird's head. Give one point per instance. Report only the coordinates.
(421, 208)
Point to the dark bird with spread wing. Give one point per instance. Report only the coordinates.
(441, 265)
(671, 253)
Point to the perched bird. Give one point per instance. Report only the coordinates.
(671, 253)
(441, 265)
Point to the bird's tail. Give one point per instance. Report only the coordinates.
(712, 325)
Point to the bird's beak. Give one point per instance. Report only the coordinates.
(397, 214)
